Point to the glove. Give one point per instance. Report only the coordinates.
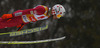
(6, 16)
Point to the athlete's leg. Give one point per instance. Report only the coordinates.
(12, 23)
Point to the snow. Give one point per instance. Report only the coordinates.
(68, 0)
(11, 10)
(27, 4)
(6, 0)
(2, 3)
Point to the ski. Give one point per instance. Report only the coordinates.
(23, 32)
(32, 42)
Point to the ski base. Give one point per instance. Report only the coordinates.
(23, 32)
(32, 42)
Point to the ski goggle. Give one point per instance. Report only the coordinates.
(58, 15)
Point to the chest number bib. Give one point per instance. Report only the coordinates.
(25, 19)
(28, 18)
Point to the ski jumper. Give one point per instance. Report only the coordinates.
(24, 16)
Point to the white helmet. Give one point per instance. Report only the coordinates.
(58, 10)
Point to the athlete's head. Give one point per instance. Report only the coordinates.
(58, 11)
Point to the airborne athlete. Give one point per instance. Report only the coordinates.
(21, 17)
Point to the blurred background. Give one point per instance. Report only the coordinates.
(80, 25)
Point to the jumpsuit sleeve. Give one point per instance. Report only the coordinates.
(21, 12)
(17, 13)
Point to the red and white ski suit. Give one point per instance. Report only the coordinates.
(25, 16)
